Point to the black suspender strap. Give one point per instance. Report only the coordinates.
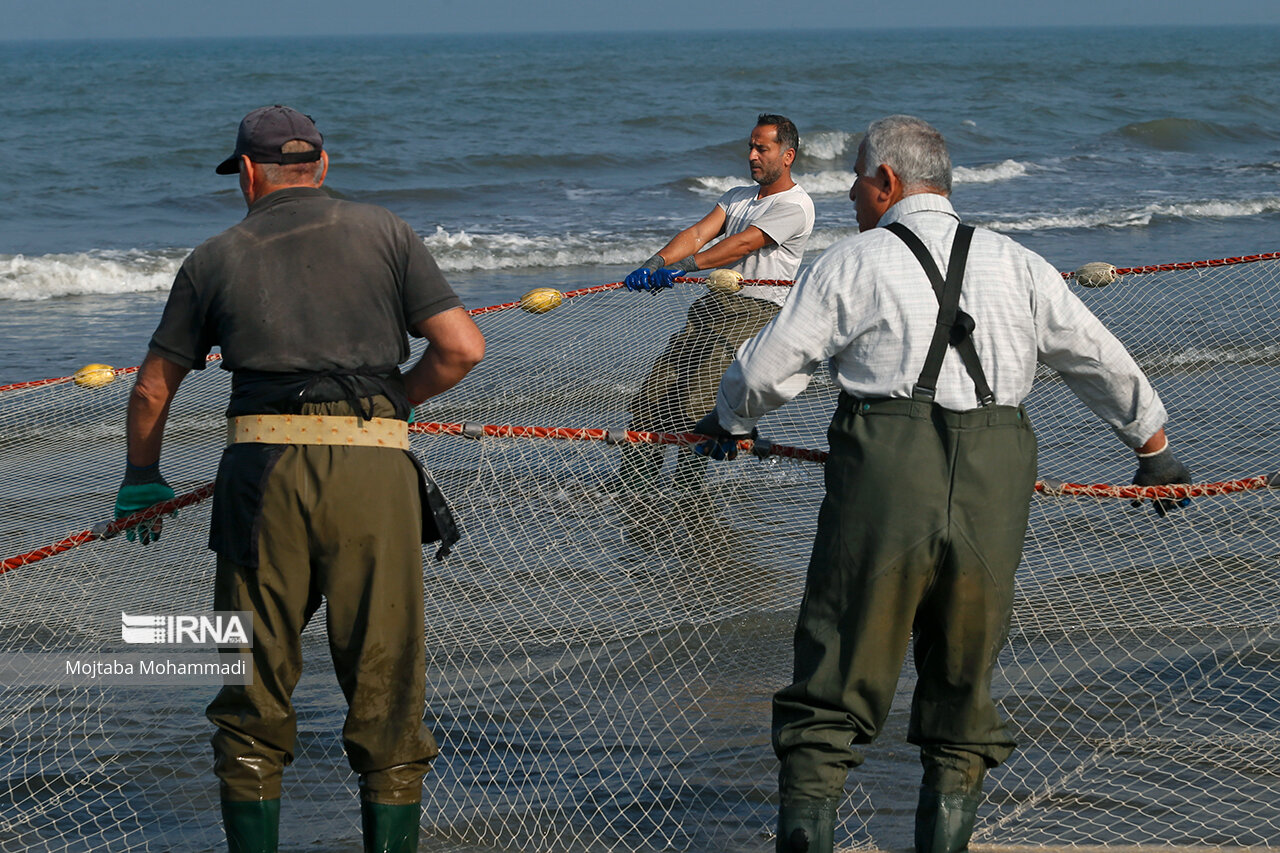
(954, 327)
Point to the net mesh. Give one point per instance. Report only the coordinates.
(600, 661)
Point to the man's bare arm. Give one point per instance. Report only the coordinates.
(454, 346)
(691, 240)
(733, 248)
(153, 391)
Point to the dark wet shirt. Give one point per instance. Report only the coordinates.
(304, 283)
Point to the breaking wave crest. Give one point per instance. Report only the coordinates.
(1136, 217)
(838, 181)
(24, 278)
(37, 277)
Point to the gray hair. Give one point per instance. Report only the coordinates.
(913, 148)
(293, 174)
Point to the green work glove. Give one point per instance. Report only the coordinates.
(142, 487)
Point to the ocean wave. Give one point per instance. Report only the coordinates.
(837, 181)
(989, 173)
(822, 238)
(1137, 216)
(826, 145)
(464, 251)
(833, 182)
(1210, 357)
(27, 279)
(1185, 134)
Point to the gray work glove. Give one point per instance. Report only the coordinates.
(666, 277)
(1162, 469)
(719, 444)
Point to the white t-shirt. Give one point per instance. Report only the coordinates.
(787, 219)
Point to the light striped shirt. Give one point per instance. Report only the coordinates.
(867, 305)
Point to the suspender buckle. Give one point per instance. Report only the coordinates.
(922, 394)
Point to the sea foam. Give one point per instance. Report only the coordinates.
(1136, 216)
(26, 278)
(838, 181)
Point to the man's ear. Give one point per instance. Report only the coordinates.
(324, 171)
(889, 184)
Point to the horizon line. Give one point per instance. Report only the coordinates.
(691, 31)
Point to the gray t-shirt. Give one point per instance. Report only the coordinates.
(786, 218)
(303, 283)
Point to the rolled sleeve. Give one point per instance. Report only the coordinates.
(426, 292)
(183, 336)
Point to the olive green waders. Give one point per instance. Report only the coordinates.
(682, 384)
(342, 524)
(920, 532)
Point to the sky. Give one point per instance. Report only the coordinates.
(42, 19)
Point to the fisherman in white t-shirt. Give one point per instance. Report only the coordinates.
(765, 227)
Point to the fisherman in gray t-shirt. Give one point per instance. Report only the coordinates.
(765, 226)
(310, 299)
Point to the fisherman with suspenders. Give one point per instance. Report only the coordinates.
(929, 479)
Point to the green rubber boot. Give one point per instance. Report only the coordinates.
(944, 822)
(807, 826)
(252, 826)
(390, 829)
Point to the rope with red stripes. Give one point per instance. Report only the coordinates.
(759, 447)
(119, 371)
(601, 288)
(105, 530)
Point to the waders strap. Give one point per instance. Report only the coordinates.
(954, 327)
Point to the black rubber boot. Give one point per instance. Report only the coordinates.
(252, 826)
(944, 822)
(390, 829)
(807, 826)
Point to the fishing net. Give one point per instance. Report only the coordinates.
(601, 654)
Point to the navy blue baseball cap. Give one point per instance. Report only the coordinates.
(265, 130)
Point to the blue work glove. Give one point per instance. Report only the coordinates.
(720, 443)
(142, 487)
(642, 278)
(1162, 469)
(665, 277)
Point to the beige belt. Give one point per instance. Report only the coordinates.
(318, 429)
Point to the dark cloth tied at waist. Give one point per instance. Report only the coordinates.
(259, 392)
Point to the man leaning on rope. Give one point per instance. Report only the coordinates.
(765, 227)
(310, 299)
(929, 479)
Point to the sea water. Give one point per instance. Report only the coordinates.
(565, 161)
